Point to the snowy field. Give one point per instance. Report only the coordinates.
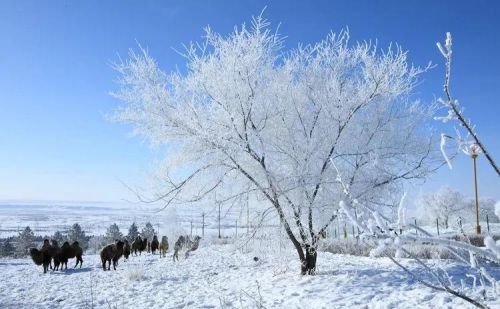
(218, 276)
(46, 218)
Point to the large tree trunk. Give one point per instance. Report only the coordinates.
(307, 256)
(308, 264)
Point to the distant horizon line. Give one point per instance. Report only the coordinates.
(57, 201)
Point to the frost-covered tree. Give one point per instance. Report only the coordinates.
(248, 114)
(25, 240)
(59, 237)
(133, 232)
(96, 242)
(7, 248)
(113, 233)
(445, 205)
(75, 233)
(148, 231)
(486, 208)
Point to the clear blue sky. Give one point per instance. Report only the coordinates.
(55, 143)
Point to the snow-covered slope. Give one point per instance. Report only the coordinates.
(218, 276)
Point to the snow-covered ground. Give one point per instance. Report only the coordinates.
(219, 276)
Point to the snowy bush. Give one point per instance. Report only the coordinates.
(220, 241)
(7, 249)
(135, 273)
(355, 247)
(96, 243)
(346, 246)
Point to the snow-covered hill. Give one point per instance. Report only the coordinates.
(220, 276)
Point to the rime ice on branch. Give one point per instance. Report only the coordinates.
(386, 236)
(248, 114)
(456, 112)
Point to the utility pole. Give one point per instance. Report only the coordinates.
(248, 217)
(219, 221)
(475, 149)
(203, 225)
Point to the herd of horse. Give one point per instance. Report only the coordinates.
(52, 254)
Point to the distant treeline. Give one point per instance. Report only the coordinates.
(18, 246)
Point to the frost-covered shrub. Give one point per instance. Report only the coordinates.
(135, 273)
(96, 243)
(7, 248)
(428, 252)
(221, 241)
(346, 246)
(353, 247)
(476, 240)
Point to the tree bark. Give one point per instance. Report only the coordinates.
(308, 264)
